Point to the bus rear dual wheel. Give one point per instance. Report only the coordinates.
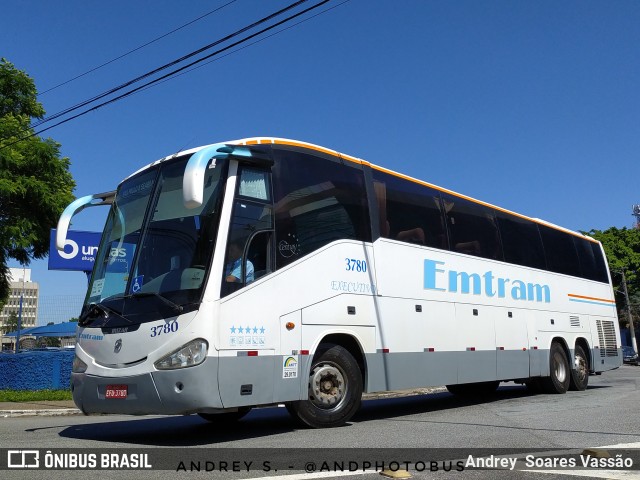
(562, 377)
(334, 388)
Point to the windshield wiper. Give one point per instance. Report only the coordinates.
(96, 309)
(174, 306)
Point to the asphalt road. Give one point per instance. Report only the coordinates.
(444, 428)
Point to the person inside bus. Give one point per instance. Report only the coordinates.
(413, 235)
(233, 270)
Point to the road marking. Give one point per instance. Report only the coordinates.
(622, 446)
(609, 474)
(311, 476)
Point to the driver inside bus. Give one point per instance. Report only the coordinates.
(233, 270)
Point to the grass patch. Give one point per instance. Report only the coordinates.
(34, 395)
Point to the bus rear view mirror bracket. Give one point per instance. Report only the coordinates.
(77, 206)
(194, 172)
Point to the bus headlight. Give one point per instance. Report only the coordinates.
(193, 353)
(78, 365)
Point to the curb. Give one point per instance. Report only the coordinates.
(49, 412)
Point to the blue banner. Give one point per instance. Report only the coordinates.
(79, 253)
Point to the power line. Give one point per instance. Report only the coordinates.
(171, 74)
(248, 45)
(174, 72)
(137, 48)
(165, 66)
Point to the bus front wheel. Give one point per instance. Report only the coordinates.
(334, 388)
(560, 373)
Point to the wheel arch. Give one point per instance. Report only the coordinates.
(351, 344)
(563, 343)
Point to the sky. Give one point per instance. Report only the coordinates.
(531, 106)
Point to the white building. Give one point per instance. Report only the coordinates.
(21, 285)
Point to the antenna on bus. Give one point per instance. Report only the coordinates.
(184, 146)
(636, 213)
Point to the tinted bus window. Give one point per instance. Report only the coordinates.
(472, 228)
(601, 264)
(560, 251)
(591, 266)
(409, 212)
(521, 242)
(317, 200)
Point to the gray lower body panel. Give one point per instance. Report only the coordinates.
(181, 391)
(228, 382)
(397, 371)
(602, 362)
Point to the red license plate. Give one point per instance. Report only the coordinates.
(116, 391)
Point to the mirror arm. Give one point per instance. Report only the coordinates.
(77, 206)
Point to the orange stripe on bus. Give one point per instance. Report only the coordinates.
(591, 298)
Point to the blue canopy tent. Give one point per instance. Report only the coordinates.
(67, 329)
(24, 331)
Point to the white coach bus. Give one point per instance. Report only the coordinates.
(264, 270)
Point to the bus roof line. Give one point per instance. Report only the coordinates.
(296, 143)
(335, 153)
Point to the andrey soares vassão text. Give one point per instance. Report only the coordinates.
(588, 461)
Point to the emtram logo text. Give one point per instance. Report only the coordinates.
(444, 280)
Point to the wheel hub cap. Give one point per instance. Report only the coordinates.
(326, 386)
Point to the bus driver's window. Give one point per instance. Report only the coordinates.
(249, 232)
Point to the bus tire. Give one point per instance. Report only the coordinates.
(225, 418)
(334, 387)
(580, 371)
(560, 373)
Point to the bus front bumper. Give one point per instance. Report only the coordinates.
(164, 392)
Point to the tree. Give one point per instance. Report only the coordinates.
(49, 342)
(35, 182)
(622, 246)
(11, 325)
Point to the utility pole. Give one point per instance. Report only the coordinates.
(24, 272)
(632, 331)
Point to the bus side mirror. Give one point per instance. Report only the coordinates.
(194, 172)
(75, 207)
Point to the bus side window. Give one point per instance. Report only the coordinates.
(259, 254)
(472, 228)
(591, 261)
(521, 241)
(248, 242)
(602, 269)
(560, 251)
(408, 211)
(318, 200)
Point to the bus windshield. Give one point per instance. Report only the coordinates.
(154, 253)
